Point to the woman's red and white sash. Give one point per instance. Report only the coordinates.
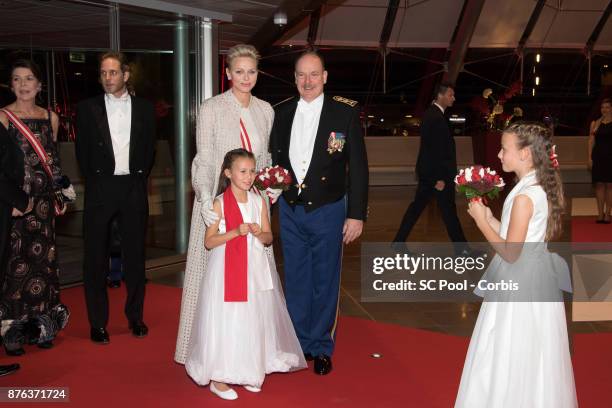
(45, 161)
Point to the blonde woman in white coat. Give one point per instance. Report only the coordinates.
(219, 131)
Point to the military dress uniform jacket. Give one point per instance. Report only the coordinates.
(334, 171)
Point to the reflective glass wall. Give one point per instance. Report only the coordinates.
(65, 39)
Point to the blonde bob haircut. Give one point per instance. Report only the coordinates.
(241, 50)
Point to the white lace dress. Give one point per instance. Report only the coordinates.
(519, 354)
(218, 132)
(241, 342)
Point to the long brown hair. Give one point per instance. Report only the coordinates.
(538, 138)
(228, 160)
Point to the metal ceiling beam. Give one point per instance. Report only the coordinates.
(313, 27)
(588, 49)
(385, 33)
(466, 27)
(387, 28)
(533, 19)
(269, 32)
(456, 30)
(114, 27)
(598, 28)
(177, 9)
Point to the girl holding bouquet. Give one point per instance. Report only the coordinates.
(241, 328)
(233, 119)
(519, 353)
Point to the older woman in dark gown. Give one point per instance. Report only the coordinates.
(30, 308)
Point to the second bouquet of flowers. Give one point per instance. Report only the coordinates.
(479, 183)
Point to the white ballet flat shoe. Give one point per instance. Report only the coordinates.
(229, 395)
(252, 388)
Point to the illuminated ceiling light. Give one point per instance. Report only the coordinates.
(280, 18)
(537, 57)
(532, 91)
(408, 116)
(606, 66)
(370, 116)
(382, 119)
(537, 81)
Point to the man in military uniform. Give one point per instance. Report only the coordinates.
(318, 139)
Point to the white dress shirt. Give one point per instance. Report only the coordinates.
(441, 108)
(303, 135)
(119, 114)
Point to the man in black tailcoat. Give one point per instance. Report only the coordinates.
(436, 169)
(115, 150)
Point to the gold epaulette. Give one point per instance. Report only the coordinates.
(347, 101)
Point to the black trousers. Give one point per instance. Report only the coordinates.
(124, 197)
(446, 202)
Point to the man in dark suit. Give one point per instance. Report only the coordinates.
(436, 168)
(115, 150)
(13, 203)
(318, 139)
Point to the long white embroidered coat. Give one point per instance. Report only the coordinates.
(217, 132)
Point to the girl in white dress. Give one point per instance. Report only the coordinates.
(519, 353)
(241, 329)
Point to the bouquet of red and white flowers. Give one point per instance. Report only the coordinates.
(479, 183)
(274, 178)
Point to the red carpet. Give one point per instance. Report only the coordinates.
(418, 368)
(584, 229)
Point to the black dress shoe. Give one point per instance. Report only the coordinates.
(322, 364)
(14, 352)
(114, 284)
(45, 344)
(308, 357)
(8, 369)
(470, 253)
(99, 335)
(139, 329)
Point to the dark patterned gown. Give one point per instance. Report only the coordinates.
(602, 154)
(30, 307)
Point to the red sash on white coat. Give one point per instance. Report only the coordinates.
(244, 137)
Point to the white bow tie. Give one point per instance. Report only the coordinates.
(305, 107)
(122, 99)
